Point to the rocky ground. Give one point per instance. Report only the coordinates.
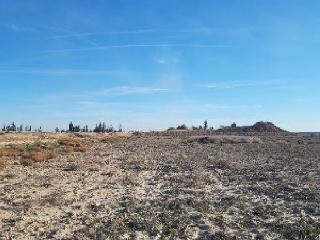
(155, 186)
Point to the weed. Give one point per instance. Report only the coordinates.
(9, 175)
(307, 230)
(28, 147)
(173, 232)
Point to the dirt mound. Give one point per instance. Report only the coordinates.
(265, 127)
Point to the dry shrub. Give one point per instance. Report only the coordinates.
(3, 152)
(26, 162)
(72, 142)
(222, 164)
(80, 149)
(72, 166)
(113, 139)
(2, 164)
(11, 152)
(43, 156)
(66, 149)
(25, 155)
(37, 149)
(79, 135)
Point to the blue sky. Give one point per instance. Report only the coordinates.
(149, 65)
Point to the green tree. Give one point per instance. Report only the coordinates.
(205, 125)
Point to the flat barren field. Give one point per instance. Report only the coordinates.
(170, 185)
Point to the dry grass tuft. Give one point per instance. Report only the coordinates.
(42, 156)
(71, 142)
(80, 149)
(113, 139)
(2, 164)
(26, 162)
(11, 151)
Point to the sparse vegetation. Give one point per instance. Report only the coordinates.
(169, 185)
(35, 152)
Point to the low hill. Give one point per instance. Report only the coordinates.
(265, 127)
(262, 127)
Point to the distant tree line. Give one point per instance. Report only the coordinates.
(14, 128)
(184, 127)
(76, 128)
(101, 127)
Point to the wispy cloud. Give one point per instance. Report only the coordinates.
(228, 85)
(231, 106)
(139, 31)
(51, 71)
(18, 28)
(250, 106)
(114, 91)
(215, 106)
(94, 104)
(83, 34)
(69, 34)
(109, 47)
(241, 84)
(125, 90)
